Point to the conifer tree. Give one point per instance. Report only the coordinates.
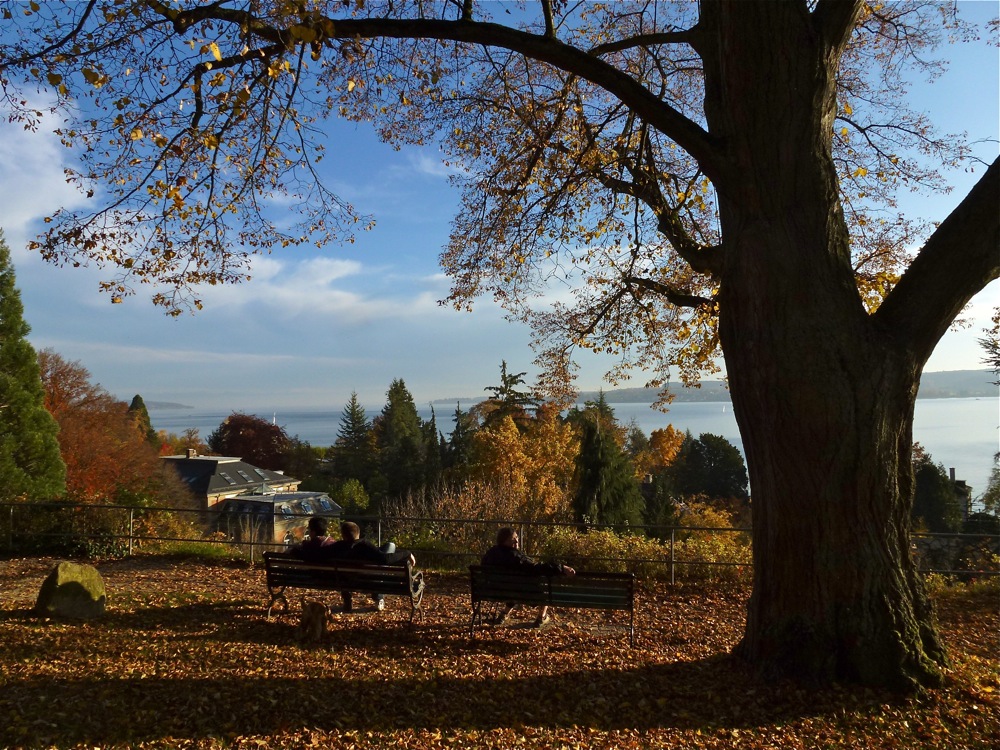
(607, 491)
(509, 400)
(30, 464)
(400, 441)
(353, 456)
(459, 449)
(434, 447)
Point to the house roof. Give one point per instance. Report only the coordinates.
(224, 475)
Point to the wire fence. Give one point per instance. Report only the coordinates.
(668, 552)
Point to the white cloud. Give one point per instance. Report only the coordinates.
(423, 161)
(33, 183)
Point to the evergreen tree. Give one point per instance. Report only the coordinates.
(661, 507)
(400, 440)
(509, 400)
(353, 453)
(458, 451)
(434, 450)
(30, 464)
(601, 411)
(636, 441)
(607, 491)
(140, 415)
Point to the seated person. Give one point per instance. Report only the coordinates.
(317, 545)
(352, 547)
(506, 553)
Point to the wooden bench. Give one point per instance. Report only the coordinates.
(286, 571)
(583, 590)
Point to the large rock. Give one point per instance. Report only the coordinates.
(72, 590)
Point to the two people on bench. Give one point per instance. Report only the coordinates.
(321, 547)
(506, 553)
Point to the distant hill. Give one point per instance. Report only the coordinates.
(166, 405)
(959, 384)
(950, 384)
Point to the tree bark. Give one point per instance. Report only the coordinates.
(823, 395)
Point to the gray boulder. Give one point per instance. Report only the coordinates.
(72, 590)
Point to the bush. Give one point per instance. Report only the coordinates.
(607, 552)
(695, 548)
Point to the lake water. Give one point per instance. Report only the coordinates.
(961, 433)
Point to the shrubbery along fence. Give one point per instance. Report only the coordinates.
(677, 553)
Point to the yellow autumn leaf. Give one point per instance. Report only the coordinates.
(304, 33)
(216, 52)
(350, 85)
(136, 135)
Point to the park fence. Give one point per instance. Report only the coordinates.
(674, 553)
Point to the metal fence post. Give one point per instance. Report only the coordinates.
(672, 531)
(131, 518)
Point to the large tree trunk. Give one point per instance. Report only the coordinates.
(823, 397)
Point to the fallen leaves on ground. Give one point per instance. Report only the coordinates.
(186, 658)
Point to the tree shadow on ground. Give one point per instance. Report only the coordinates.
(714, 692)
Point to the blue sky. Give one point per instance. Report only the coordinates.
(312, 327)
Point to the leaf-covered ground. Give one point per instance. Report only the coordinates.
(185, 657)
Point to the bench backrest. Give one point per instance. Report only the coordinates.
(284, 569)
(592, 590)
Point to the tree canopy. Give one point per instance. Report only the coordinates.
(253, 439)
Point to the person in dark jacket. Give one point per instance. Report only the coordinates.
(351, 546)
(318, 544)
(506, 553)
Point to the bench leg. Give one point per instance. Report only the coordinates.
(476, 614)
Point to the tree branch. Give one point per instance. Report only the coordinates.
(673, 296)
(958, 260)
(660, 115)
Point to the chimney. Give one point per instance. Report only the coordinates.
(191, 453)
(951, 473)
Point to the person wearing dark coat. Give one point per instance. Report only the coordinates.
(318, 544)
(351, 546)
(506, 553)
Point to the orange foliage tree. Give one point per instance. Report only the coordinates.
(107, 455)
(535, 463)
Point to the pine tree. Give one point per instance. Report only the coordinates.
(607, 491)
(433, 452)
(459, 449)
(509, 400)
(31, 467)
(353, 456)
(400, 440)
